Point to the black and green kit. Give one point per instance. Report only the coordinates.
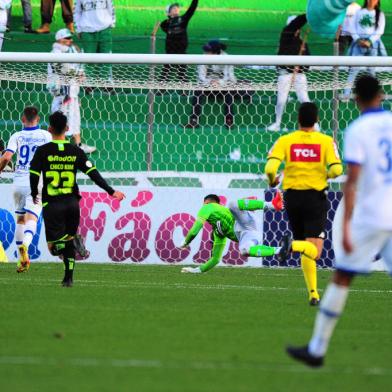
(59, 162)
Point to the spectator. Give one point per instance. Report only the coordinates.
(47, 8)
(368, 28)
(4, 6)
(213, 76)
(175, 27)
(27, 16)
(291, 43)
(94, 21)
(63, 84)
(345, 39)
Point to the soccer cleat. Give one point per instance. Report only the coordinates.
(274, 127)
(277, 201)
(314, 302)
(302, 354)
(191, 270)
(80, 247)
(67, 282)
(24, 261)
(285, 249)
(88, 149)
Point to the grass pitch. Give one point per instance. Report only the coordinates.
(150, 328)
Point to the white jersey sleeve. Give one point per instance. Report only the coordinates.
(12, 145)
(368, 142)
(354, 151)
(25, 144)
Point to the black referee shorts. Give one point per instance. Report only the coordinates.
(307, 213)
(61, 218)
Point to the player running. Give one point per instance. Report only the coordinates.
(59, 162)
(24, 144)
(238, 224)
(365, 227)
(311, 158)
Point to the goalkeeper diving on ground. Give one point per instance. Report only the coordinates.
(237, 223)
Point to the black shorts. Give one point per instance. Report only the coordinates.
(307, 213)
(61, 218)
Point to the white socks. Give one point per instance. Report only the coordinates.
(331, 307)
(19, 233)
(29, 230)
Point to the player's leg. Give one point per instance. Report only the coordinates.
(284, 83)
(300, 209)
(55, 215)
(301, 87)
(254, 204)
(367, 244)
(20, 194)
(72, 224)
(249, 238)
(33, 212)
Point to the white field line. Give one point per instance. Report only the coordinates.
(185, 364)
(171, 286)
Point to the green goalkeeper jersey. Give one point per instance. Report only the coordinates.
(219, 217)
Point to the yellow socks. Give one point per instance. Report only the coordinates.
(309, 269)
(308, 264)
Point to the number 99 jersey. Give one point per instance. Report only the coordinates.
(24, 144)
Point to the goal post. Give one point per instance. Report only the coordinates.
(178, 126)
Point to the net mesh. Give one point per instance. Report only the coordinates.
(183, 126)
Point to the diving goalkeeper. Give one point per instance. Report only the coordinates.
(238, 224)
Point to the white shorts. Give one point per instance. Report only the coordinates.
(71, 109)
(24, 202)
(245, 228)
(368, 242)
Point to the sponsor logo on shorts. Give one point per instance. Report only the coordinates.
(305, 153)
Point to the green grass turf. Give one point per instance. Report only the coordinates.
(150, 328)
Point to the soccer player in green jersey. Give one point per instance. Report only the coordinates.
(236, 223)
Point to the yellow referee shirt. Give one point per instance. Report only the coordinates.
(308, 156)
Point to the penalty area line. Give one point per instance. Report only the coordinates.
(186, 364)
(173, 286)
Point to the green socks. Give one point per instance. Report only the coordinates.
(250, 204)
(262, 251)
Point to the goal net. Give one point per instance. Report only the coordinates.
(170, 129)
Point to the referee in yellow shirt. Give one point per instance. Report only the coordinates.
(310, 158)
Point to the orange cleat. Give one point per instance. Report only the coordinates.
(277, 201)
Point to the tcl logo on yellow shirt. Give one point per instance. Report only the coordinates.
(305, 153)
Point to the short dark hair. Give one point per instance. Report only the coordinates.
(367, 88)
(213, 197)
(58, 122)
(308, 114)
(30, 113)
